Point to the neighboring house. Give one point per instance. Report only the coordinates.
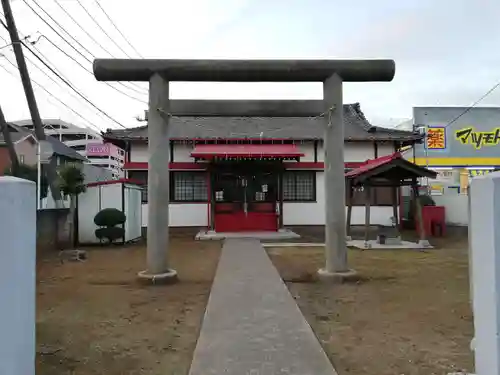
(25, 144)
(85, 141)
(26, 148)
(256, 165)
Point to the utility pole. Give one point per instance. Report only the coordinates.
(14, 161)
(49, 169)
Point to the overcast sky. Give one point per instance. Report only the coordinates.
(446, 51)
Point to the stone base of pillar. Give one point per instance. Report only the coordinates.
(348, 238)
(424, 243)
(337, 277)
(473, 344)
(168, 277)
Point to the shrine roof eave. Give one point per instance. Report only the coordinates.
(244, 70)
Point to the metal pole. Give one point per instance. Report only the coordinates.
(38, 177)
(30, 95)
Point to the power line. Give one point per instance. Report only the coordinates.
(49, 93)
(5, 46)
(9, 44)
(117, 29)
(67, 82)
(68, 34)
(72, 87)
(58, 33)
(474, 104)
(102, 29)
(61, 50)
(41, 70)
(80, 26)
(92, 74)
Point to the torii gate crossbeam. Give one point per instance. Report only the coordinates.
(160, 72)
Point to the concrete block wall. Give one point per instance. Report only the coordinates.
(52, 230)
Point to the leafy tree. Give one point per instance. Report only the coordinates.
(72, 184)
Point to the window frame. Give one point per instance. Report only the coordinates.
(295, 173)
(172, 181)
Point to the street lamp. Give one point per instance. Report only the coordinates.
(43, 155)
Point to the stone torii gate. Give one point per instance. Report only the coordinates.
(160, 72)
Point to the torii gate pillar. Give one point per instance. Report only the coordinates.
(159, 72)
(333, 145)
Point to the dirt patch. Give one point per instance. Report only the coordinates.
(408, 314)
(94, 317)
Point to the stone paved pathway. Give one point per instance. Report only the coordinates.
(252, 325)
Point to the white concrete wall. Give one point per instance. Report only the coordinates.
(182, 153)
(456, 208)
(314, 213)
(17, 276)
(358, 152)
(308, 149)
(195, 214)
(182, 215)
(353, 152)
(139, 153)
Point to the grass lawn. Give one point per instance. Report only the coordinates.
(95, 318)
(408, 314)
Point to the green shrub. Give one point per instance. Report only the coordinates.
(110, 233)
(109, 217)
(108, 220)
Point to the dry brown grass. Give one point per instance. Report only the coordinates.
(100, 320)
(409, 314)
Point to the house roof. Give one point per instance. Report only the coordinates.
(59, 148)
(298, 127)
(16, 137)
(388, 167)
(45, 121)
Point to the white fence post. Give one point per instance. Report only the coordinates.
(17, 276)
(485, 262)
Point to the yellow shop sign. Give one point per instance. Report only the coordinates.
(436, 138)
(478, 139)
